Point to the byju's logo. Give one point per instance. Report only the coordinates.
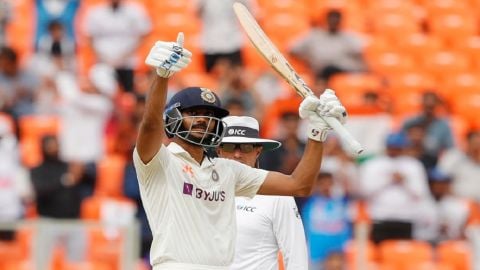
(187, 188)
(191, 190)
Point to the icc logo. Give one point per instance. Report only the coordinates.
(240, 132)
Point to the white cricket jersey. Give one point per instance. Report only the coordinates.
(265, 226)
(190, 207)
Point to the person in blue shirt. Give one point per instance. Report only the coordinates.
(326, 220)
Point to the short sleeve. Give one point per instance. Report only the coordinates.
(145, 172)
(248, 179)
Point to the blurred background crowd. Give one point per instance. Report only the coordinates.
(72, 91)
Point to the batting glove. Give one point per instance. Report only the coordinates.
(330, 106)
(169, 57)
(315, 109)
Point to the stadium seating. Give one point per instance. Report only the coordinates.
(404, 253)
(458, 254)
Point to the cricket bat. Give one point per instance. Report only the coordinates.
(278, 62)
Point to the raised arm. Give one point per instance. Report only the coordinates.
(301, 181)
(167, 58)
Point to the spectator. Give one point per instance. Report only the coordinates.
(15, 191)
(63, 12)
(341, 166)
(447, 215)
(58, 198)
(115, 31)
(393, 185)
(85, 110)
(221, 35)
(235, 107)
(438, 135)
(416, 134)
(57, 45)
(285, 158)
(234, 84)
(326, 220)
(55, 52)
(17, 86)
(330, 51)
(464, 167)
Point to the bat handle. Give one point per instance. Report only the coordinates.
(352, 145)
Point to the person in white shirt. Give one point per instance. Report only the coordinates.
(115, 30)
(265, 224)
(446, 216)
(393, 186)
(189, 197)
(85, 108)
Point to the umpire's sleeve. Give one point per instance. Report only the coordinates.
(288, 229)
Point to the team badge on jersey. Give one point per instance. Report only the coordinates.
(214, 175)
(207, 95)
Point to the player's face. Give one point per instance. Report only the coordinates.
(198, 121)
(246, 153)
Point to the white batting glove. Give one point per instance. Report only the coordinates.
(169, 57)
(330, 106)
(314, 109)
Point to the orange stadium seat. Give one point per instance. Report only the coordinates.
(431, 266)
(169, 25)
(294, 7)
(451, 27)
(37, 126)
(411, 82)
(32, 129)
(352, 14)
(460, 83)
(405, 103)
(455, 253)
(471, 47)
(389, 63)
(376, 7)
(20, 33)
(404, 253)
(170, 6)
(252, 59)
(30, 152)
(105, 247)
(110, 172)
(351, 88)
(347, 83)
(283, 28)
(438, 8)
(352, 252)
(394, 26)
(418, 44)
(444, 63)
(467, 106)
(17, 250)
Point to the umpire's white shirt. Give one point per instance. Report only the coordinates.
(266, 225)
(191, 207)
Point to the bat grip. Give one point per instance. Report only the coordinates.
(352, 145)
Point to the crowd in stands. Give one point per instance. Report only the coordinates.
(73, 85)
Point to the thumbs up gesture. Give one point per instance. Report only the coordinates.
(169, 57)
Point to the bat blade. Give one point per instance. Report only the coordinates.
(278, 62)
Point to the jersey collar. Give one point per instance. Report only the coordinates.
(176, 149)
